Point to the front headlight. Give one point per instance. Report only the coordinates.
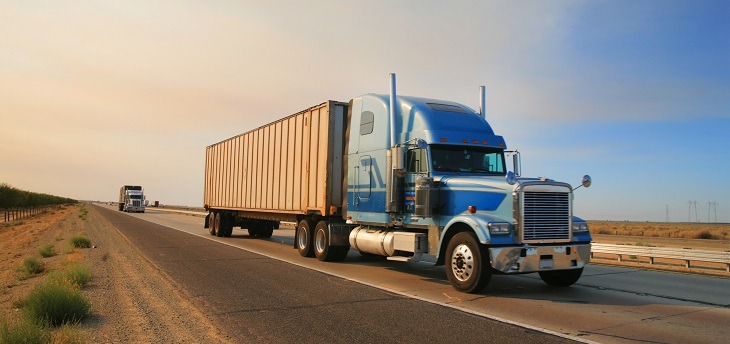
(498, 228)
(580, 227)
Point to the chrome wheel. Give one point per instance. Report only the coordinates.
(462, 262)
(302, 238)
(320, 241)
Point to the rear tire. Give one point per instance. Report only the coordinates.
(561, 278)
(227, 221)
(304, 238)
(322, 245)
(219, 224)
(213, 225)
(266, 231)
(466, 266)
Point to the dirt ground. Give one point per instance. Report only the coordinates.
(687, 230)
(131, 300)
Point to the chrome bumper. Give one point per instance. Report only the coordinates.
(539, 258)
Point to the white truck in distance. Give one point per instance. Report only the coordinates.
(131, 199)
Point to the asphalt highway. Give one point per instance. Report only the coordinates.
(262, 289)
(254, 298)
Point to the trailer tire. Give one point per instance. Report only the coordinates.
(213, 225)
(466, 266)
(561, 278)
(226, 225)
(219, 224)
(304, 238)
(266, 231)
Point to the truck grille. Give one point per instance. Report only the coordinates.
(546, 216)
(136, 203)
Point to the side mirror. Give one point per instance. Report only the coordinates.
(516, 162)
(586, 181)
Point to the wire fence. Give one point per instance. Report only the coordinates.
(15, 214)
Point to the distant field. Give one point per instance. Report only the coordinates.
(717, 231)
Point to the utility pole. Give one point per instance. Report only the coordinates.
(709, 206)
(697, 219)
(689, 211)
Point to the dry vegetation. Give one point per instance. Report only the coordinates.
(662, 229)
(36, 254)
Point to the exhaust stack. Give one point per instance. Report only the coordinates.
(392, 110)
(483, 101)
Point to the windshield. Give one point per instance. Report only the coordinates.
(135, 196)
(467, 159)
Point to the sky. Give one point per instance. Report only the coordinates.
(98, 94)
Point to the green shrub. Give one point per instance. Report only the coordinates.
(80, 241)
(705, 234)
(79, 275)
(23, 330)
(47, 251)
(57, 304)
(33, 266)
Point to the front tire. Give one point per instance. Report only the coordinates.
(561, 278)
(304, 236)
(466, 265)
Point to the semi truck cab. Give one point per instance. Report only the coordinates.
(445, 188)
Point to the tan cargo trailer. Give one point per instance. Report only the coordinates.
(280, 171)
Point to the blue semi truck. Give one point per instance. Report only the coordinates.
(399, 177)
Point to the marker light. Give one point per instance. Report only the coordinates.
(443, 139)
(465, 141)
(472, 209)
(476, 142)
(485, 142)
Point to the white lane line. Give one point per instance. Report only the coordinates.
(416, 297)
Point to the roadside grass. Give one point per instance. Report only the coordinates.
(83, 213)
(56, 304)
(68, 334)
(31, 267)
(23, 329)
(47, 251)
(80, 241)
(78, 275)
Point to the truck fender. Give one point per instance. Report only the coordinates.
(477, 223)
(207, 221)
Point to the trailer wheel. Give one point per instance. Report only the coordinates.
(218, 224)
(304, 242)
(213, 226)
(226, 225)
(266, 231)
(465, 263)
(561, 278)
